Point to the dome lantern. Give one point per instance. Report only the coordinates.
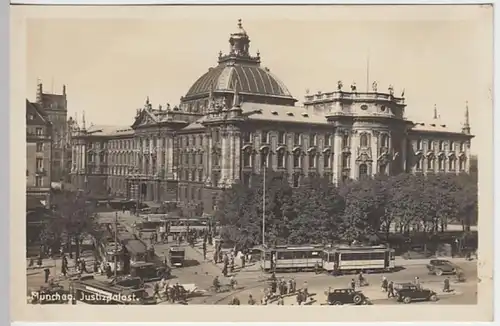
(239, 42)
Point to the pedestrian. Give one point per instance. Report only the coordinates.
(305, 289)
(390, 291)
(299, 298)
(156, 290)
(385, 283)
(290, 287)
(446, 287)
(281, 302)
(353, 284)
(251, 300)
(204, 251)
(63, 269)
(224, 270)
(96, 266)
(294, 285)
(47, 274)
(243, 261)
(417, 282)
(235, 301)
(39, 261)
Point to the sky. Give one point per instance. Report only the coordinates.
(111, 62)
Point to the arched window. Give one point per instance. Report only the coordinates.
(384, 140)
(346, 159)
(462, 163)
(281, 158)
(264, 137)
(345, 141)
(247, 137)
(419, 162)
(326, 160)
(200, 176)
(296, 139)
(419, 144)
(281, 137)
(296, 180)
(312, 160)
(313, 140)
(441, 163)
(363, 140)
(462, 146)
(296, 159)
(264, 158)
(328, 138)
(452, 145)
(451, 164)
(363, 171)
(430, 163)
(441, 145)
(247, 159)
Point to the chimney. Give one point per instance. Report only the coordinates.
(64, 90)
(39, 91)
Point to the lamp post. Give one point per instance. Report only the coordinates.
(116, 244)
(264, 203)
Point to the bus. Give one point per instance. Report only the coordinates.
(91, 291)
(291, 258)
(353, 259)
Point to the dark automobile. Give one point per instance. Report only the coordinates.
(440, 267)
(409, 293)
(149, 271)
(345, 296)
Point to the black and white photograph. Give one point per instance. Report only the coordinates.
(257, 155)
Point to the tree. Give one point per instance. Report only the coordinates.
(72, 219)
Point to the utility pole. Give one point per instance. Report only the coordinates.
(264, 205)
(116, 243)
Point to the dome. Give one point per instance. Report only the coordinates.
(238, 69)
(249, 79)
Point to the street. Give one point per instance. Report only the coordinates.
(252, 281)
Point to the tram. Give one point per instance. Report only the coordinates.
(290, 258)
(352, 259)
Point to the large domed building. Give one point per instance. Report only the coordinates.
(238, 117)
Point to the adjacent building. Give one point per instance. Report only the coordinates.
(56, 108)
(38, 156)
(238, 118)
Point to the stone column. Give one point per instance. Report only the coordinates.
(230, 174)
(84, 157)
(354, 144)
(375, 151)
(143, 156)
(169, 156)
(337, 158)
(73, 159)
(257, 161)
(223, 160)
(237, 156)
(208, 156)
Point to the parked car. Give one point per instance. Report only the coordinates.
(408, 293)
(441, 266)
(346, 296)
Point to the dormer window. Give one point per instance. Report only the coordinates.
(290, 114)
(305, 115)
(274, 112)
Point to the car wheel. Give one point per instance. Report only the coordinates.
(433, 297)
(439, 272)
(407, 300)
(357, 299)
(337, 303)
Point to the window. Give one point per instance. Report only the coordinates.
(215, 159)
(187, 142)
(328, 138)
(193, 177)
(39, 131)
(296, 159)
(281, 137)
(247, 162)
(345, 141)
(431, 145)
(312, 160)
(363, 140)
(193, 158)
(200, 159)
(363, 171)
(264, 137)
(38, 181)
(295, 180)
(462, 164)
(441, 163)
(452, 145)
(216, 136)
(39, 147)
(346, 161)
(264, 158)
(281, 158)
(382, 168)
(441, 145)
(246, 179)
(384, 140)
(200, 176)
(451, 164)
(418, 164)
(326, 160)
(313, 140)
(186, 158)
(419, 144)
(430, 163)
(39, 164)
(462, 146)
(247, 137)
(296, 139)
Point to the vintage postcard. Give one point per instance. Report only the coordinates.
(193, 158)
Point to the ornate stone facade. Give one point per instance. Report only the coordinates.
(238, 118)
